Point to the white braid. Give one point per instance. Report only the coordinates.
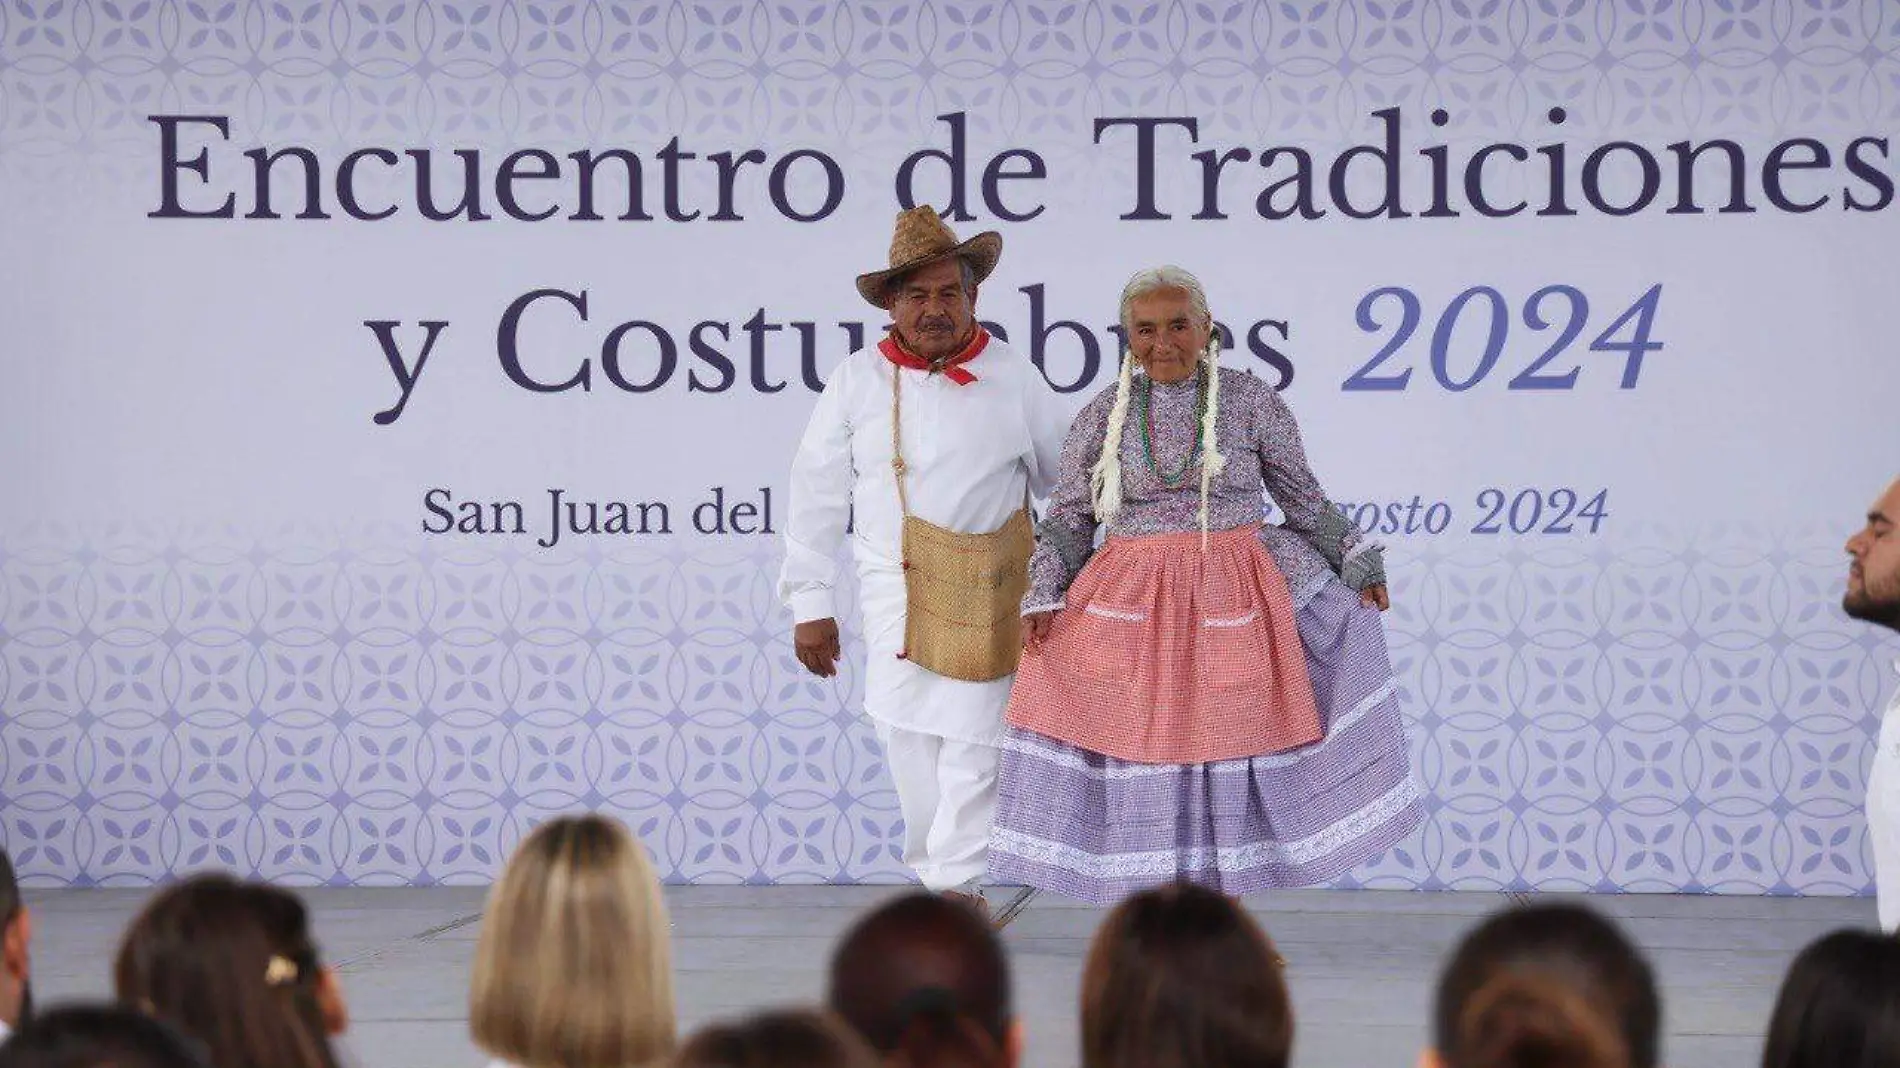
(1106, 478)
(1212, 462)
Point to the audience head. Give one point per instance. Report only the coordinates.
(573, 968)
(99, 1036)
(1546, 986)
(1873, 573)
(1839, 1005)
(924, 980)
(1181, 976)
(777, 1040)
(16, 936)
(233, 965)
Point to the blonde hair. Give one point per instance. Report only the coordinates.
(573, 968)
(1105, 479)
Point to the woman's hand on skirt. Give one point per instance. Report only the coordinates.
(1036, 628)
(1375, 597)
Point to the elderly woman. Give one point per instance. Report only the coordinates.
(1203, 697)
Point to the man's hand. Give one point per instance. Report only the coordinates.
(816, 643)
(1036, 628)
(1375, 597)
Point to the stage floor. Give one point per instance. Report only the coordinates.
(1361, 964)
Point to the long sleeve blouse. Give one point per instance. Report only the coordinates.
(1260, 440)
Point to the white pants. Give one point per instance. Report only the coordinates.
(1883, 820)
(946, 791)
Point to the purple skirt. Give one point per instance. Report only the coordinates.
(1099, 829)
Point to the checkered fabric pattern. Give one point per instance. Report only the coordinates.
(1168, 653)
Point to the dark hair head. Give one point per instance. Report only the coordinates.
(1839, 1005)
(1181, 976)
(777, 1040)
(98, 1036)
(925, 981)
(1551, 986)
(232, 964)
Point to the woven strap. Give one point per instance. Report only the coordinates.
(897, 439)
(898, 468)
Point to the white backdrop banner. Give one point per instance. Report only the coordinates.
(396, 400)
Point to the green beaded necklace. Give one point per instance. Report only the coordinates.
(1174, 480)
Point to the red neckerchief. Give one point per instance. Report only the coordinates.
(951, 368)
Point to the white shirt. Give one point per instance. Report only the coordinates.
(1883, 814)
(969, 451)
(1890, 722)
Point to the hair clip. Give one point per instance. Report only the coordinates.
(281, 971)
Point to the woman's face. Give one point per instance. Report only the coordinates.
(1165, 334)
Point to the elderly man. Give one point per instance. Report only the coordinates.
(1873, 594)
(927, 446)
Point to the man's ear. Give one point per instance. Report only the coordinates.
(336, 1014)
(16, 945)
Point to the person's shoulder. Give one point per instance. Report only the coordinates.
(853, 368)
(1006, 364)
(1003, 355)
(859, 359)
(1236, 382)
(1244, 389)
(1092, 418)
(1103, 400)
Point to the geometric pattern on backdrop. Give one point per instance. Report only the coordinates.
(79, 77)
(1631, 716)
(1667, 711)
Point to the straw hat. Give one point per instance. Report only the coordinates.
(922, 238)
